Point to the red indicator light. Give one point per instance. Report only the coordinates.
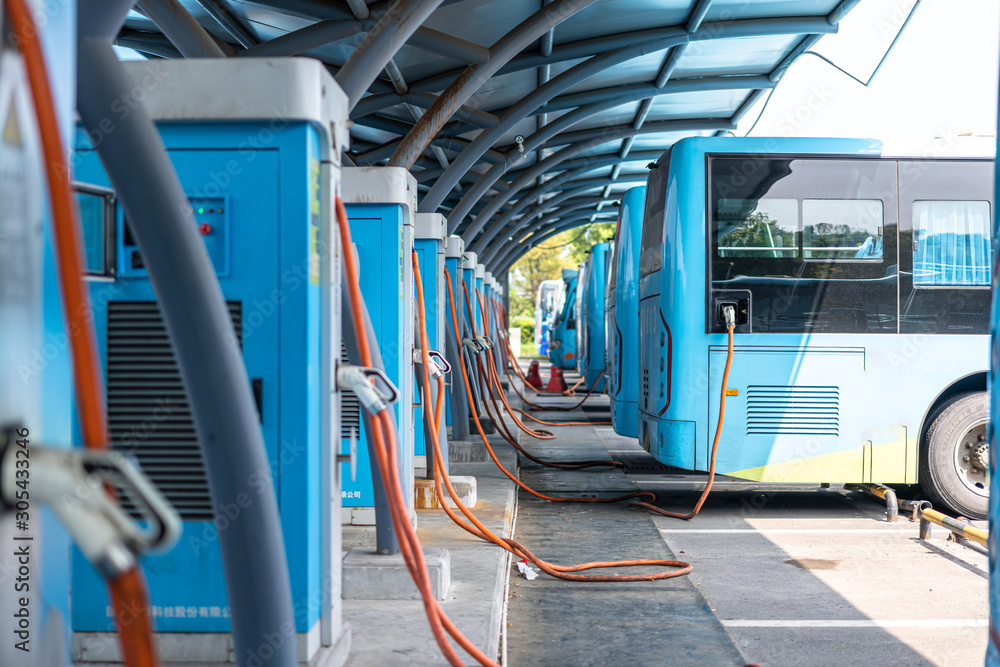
(205, 229)
(211, 210)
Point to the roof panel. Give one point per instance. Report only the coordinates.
(746, 55)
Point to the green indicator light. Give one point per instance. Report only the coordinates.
(200, 211)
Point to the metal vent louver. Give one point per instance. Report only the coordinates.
(811, 411)
(148, 412)
(645, 388)
(350, 409)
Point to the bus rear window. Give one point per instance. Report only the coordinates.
(951, 243)
(651, 241)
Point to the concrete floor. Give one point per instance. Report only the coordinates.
(818, 577)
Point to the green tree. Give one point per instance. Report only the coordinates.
(545, 262)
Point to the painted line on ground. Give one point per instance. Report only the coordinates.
(793, 531)
(867, 623)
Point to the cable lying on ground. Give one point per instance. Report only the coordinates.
(477, 528)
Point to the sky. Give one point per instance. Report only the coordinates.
(939, 80)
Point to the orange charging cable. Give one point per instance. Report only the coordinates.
(477, 528)
(128, 592)
(495, 376)
(492, 381)
(715, 445)
(382, 429)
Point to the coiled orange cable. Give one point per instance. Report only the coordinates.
(480, 530)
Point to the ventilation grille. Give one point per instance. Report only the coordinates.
(148, 412)
(350, 409)
(645, 388)
(793, 410)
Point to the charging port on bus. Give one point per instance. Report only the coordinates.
(739, 300)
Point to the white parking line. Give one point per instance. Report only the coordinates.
(792, 531)
(868, 623)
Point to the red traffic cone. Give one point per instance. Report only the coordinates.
(556, 381)
(533, 377)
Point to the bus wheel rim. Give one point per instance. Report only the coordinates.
(972, 459)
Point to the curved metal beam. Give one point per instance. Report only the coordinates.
(574, 187)
(380, 45)
(473, 77)
(502, 262)
(549, 135)
(539, 209)
(549, 185)
(468, 114)
(607, 134)
(183, 31)
(544, 94)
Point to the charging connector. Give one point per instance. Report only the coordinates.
(729, 316)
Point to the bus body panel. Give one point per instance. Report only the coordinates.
(593, 357)
(804, 406)
(622, 315)
(562, 331)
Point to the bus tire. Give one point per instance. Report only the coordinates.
(954, 461)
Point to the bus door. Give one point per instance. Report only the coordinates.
(809, 247)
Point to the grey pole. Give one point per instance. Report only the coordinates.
(475, 76)
(201, 331)
(385, 533)
(183, 31)
(381, 44)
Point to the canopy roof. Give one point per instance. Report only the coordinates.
(519, 118)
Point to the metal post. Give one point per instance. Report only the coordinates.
(385, 534)
(197, 319)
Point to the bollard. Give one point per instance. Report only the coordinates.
(556, 381)
(533, 377)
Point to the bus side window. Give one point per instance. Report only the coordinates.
(945, 212)
(951, 243)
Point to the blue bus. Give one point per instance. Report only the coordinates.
(562, 331)
(591, 357)
(861, 285)
(545, 306)
(622, 314)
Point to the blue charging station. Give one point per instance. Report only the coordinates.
(34, 359)
(429, 234)
(381, 203)
(622, 314)
(256, 145)
(456, 401)
(474, 293)
(591, 326)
